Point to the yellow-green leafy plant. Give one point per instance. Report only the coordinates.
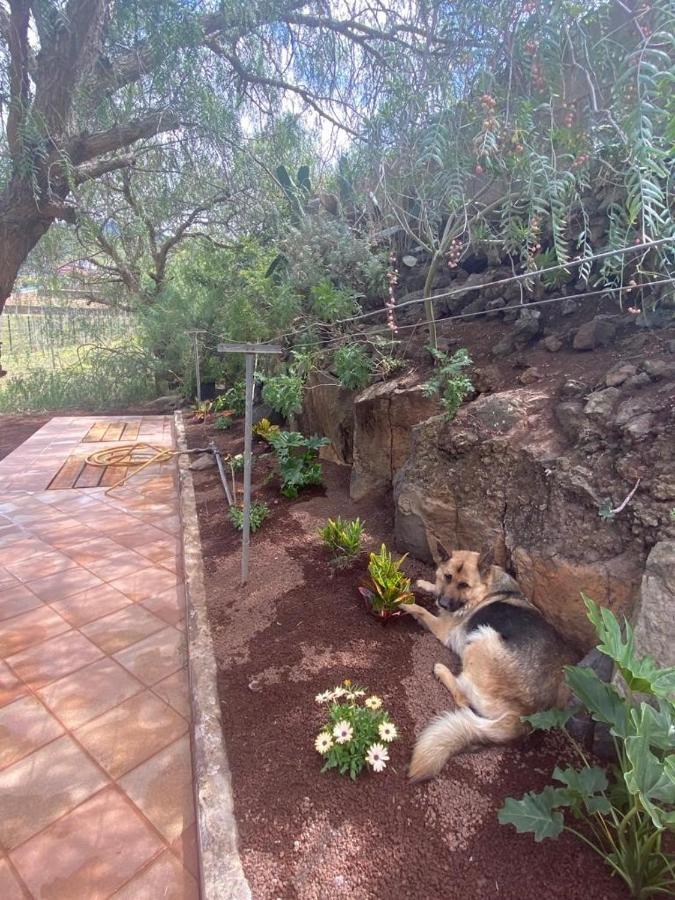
(264, 428)
(357, 733)
(626, 813)
(388, 588)
(343, 539)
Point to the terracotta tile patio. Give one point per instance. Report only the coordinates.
(96, 794)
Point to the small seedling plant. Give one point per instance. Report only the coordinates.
(297, 458)
(259, 512)
(627, 813)
(201, 411)
(343, 539)
(388, 587)
(357, 732)
(448, 381)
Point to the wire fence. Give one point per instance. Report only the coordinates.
(51, 336)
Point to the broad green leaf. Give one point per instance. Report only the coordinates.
(585, 786)
(658, 725)
(535, 813)
(650, 778)
(550, 718)
(602, 700)
(641, 674)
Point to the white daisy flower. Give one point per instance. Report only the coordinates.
(359, 693)
(343, 732)
(323, 743)
(377, 757)
(387, 731)
(325, 697)
(373, 702)
(338, 692)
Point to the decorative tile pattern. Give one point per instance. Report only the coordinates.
(95, 769)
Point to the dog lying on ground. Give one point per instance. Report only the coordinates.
(512, 659)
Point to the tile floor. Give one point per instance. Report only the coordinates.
(95, 769)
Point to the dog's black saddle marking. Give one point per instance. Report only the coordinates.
(516, 625)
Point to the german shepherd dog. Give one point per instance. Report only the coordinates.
(512, 659)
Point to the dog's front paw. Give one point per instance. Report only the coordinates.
(440, 671)
(412, 609)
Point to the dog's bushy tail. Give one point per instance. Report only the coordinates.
(453, 732)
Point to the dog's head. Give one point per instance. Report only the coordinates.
(462, 578)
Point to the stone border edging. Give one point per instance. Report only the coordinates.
(221, 873)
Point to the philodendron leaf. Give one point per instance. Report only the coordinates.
(641, 674)
(550, 718)
(658, 725)
(650, 778)
(600, 699)
(535, 813)
(585, 786)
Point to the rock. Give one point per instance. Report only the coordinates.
(654, 620)
(530, 376)
(526, 328)
(663, 487)
(600, 404)
(658, 368)
(640, 380)
(384, 415)
(410, 261)
(598, 332)
(630, 409)
(202, 462)
(494, 478)
(568, 307)
(618, 375)
(552, 343)
(640, 427)
(571, 389)
(494, 306)
(504, 346)
(486, 379)
(570, 416)
(328, 410)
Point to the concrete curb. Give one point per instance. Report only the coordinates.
(221, 871)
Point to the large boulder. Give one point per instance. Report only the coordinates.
(655, 614)
(499, 477)
(328, 410)
(384, 415)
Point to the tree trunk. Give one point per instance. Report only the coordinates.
(17, 241)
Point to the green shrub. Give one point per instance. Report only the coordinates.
(259, 512)
(223, 422)
(389, 587)
(234, 399)
(330, 303)
(297, 457)
(627, 815)
(284, 394)
(448, 380)
(343, 539)
(353, 366)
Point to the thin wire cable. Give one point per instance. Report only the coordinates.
(328, 343)
(502, 281)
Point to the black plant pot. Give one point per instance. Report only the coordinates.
(208, 390)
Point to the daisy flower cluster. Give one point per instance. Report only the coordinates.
(358, 731)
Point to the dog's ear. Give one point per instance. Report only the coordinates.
(485, 562)
(442, 555)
